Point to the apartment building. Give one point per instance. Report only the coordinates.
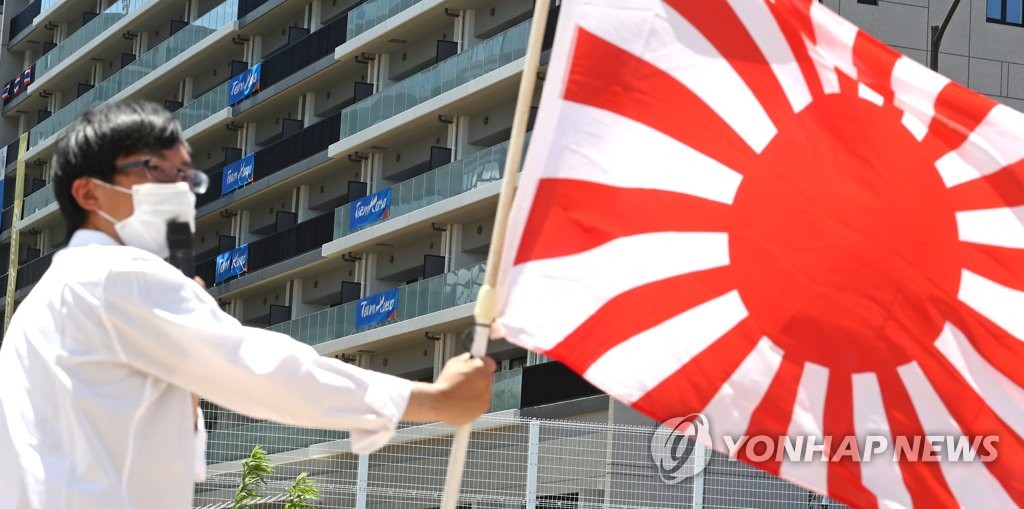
(355, 149)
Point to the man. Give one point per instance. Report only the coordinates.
(100, 359)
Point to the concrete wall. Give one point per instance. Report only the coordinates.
(985, 56)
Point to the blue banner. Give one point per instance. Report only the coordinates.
(244, 84)
(238, 174)
(378, 308)
(370, 209)
(232, 263)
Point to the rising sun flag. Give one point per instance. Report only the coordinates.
(753, 210)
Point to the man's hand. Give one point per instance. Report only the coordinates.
(459, 395)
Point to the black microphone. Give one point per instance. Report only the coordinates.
(179, 240)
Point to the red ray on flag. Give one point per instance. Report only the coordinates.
(753, 210)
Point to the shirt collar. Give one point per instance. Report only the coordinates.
(86, 237)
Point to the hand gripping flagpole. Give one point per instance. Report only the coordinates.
(484, 310)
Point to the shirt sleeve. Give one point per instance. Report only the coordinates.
(165, 324)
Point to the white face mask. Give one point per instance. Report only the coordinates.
(154, 206)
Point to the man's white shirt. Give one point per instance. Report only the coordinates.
(98, 365)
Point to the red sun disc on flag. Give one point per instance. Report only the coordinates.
(846, 263)
(755, 211)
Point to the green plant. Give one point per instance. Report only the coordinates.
(255, 471)
(301, 493)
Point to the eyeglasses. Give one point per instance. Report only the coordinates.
(159, 170)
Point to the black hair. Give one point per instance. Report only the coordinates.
(92, 144)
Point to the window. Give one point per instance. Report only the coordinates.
(1006, 11)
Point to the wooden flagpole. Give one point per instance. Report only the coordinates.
(486, 300)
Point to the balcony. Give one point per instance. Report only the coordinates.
(292, 149)
(417, 299)
(23, 19)
(149, 62)
(90, 31)
(203, 107)
(450, 180)
(6, 218)
(247, 6)
(473, 63)
(38, 200)
(282, 154)
(373, 13)
(290, 242)
(303, 52)
(30, 272)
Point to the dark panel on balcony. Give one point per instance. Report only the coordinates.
(350, 291)
(88, 16)
(357, 190)
(446, 50)
(83, 88)
(439, 156)
(552, 382)
(23, 19)
(173, 105)
(247, 6)
(12, 151)
(362, 91)
(30, 272)
(549, 28)
(282, 221)
(279, 314)
(291, 242)
(41, 116)
(289, 126)
(127, 58)
(176, 26)
(207, 270)
(238, 67)
(47, 46)
(231, 154)
(226, 243)
(6, 218)
(212, 192)
(433, 265)
(292, 149)
(302, 50)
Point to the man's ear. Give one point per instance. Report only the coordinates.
(83, 190)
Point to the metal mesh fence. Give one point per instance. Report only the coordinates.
(513, 462)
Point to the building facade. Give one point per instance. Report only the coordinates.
(355, 149)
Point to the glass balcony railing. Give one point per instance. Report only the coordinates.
(418, 299)
(132, 73)
(203, 107)
(38, 200)
(373, 13)
(481, 59)
(450, 180)
(507, 391)
(90, 31)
